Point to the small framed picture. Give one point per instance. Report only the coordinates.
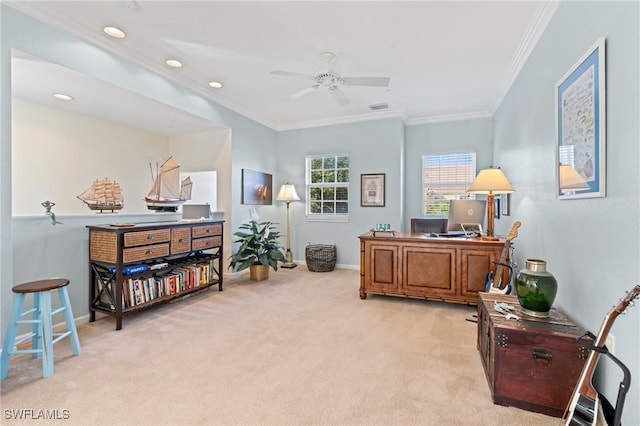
(496, 207)
(505, 204)
(372, 190)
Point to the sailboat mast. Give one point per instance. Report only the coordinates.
(154, 180)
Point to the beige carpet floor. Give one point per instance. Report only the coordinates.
(298, 349)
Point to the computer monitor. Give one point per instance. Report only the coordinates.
(424, 225)
(465, 211)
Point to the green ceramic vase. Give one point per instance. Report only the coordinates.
(536, 288)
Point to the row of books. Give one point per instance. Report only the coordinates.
(136, 291)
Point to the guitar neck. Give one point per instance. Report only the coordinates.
(497, 278)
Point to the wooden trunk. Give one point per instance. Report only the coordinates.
(259, 272)
(532, 363)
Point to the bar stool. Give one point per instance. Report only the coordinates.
(42, 336)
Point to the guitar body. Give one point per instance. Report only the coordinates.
(587, 410)
(489, 288)
(493, 283)
(586, 407)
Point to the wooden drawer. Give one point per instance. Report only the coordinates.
(180, 240)
(144, 253)
(205, 231)
(103, 246)
(132, 239)
(205, 243)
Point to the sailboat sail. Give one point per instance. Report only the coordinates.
(167, 192)
(185, 188)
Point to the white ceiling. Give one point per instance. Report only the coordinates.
(446, 59)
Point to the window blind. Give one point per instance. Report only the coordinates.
(446, 177)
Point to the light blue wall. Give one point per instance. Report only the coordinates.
(592, 246)
(373, 147)
(442, 138)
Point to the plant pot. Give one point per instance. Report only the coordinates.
(259, 272)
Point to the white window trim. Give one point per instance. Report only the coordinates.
(314, 217)
(338, 218)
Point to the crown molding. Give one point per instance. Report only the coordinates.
(447, 117)
(341, 120)
(538, 24)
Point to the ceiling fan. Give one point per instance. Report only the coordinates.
(332, 81)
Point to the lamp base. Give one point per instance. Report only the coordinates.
(289, 265)
(486, 238)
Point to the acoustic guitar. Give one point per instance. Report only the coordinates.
(586, 406)
(494, 281)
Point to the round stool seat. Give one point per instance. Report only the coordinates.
(41, 285)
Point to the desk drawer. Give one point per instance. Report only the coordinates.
(205, 243)
(205, 231)
(132, 239)
(144, 253)
(180, 240)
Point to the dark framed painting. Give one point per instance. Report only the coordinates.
(257, 188)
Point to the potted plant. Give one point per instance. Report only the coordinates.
(259, 249)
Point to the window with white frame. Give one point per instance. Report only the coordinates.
(327, 178)
(446, 177)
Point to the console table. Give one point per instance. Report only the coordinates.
(414, 265)
(138, 265)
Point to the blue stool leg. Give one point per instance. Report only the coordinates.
(10, 337)
(36, 340)
(68, 317)
(47, 334)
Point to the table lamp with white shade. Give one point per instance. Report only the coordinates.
(491, 182)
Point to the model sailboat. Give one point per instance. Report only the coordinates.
(167, 192)
(103, 194)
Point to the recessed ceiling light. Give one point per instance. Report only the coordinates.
(174, 63)
(114, 32)
(62, 97)
(215, 84)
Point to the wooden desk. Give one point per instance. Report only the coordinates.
(417, 266)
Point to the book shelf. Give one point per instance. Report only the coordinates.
(139, 265)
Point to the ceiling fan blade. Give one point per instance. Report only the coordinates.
(367, 81)
(292, 74)
(303, 92)
(338, 95)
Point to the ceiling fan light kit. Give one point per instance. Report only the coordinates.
(332, 81)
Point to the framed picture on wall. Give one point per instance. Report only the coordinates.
(256, 187)
(505, 204)
(372, 190)
(580, 102)
(496, 207)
